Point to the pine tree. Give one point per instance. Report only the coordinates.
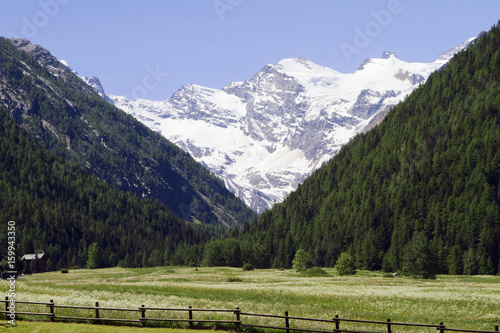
(417, 258)
(470, 262)
(431, 167)
(94, 256)
(455, 266)
(231, 252)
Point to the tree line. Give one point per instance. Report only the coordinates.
(418, 194)
(78, 220)
(73, 121)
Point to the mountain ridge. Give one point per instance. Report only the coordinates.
(295, 111)
(65, 114)
(419, 194)
(63, 210)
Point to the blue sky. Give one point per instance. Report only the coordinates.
(151, 48)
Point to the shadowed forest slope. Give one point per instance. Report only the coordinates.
(419, 193)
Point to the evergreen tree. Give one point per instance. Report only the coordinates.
(70, 119)
(62, 210)
(232, 253)
(417, 258)
(455, 266)
(470, 262)
(431, 169)
(94, 260)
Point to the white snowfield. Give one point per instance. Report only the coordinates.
(266, 135)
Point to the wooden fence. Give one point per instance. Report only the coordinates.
(331, 325)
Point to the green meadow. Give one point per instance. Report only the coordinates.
(467, 302)
(48, 327)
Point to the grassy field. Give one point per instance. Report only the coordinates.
(47, 327)
(471, 302)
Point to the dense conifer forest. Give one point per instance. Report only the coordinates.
(60, 209)
(419, 194)
(69, 118)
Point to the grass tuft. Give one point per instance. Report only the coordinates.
(314, 272)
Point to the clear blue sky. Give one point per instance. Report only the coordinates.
(215, 42)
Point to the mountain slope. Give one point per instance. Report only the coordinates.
(423, 187)
(69, 118)
(62, 210)
(265, 135)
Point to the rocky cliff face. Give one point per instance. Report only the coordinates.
(265, 135)
(67, 116)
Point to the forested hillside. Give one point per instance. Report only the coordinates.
(421, 189)
(70, 119)
(60, 209)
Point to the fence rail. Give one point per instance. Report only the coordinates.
(237, 322)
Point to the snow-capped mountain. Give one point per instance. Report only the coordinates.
(265, 135)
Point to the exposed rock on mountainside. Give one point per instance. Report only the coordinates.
(265, 135)
(68, 117)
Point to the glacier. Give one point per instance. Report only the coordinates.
(264, 136)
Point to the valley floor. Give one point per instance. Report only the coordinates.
(47, 327)
(467, 302)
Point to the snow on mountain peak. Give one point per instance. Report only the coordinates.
(297, 67)
(95, 83)
(388, 54)
(446, 56)
(307, 73)
(65, 63)
(266, 135)
(293, 62)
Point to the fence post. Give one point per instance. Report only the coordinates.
(97, 310)
(51, 310)
(190, 317)
(143, 315)
(287, 322)
(238, 320)
(337, 323)
(496, 328)
(389, 326)
(441, 327)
